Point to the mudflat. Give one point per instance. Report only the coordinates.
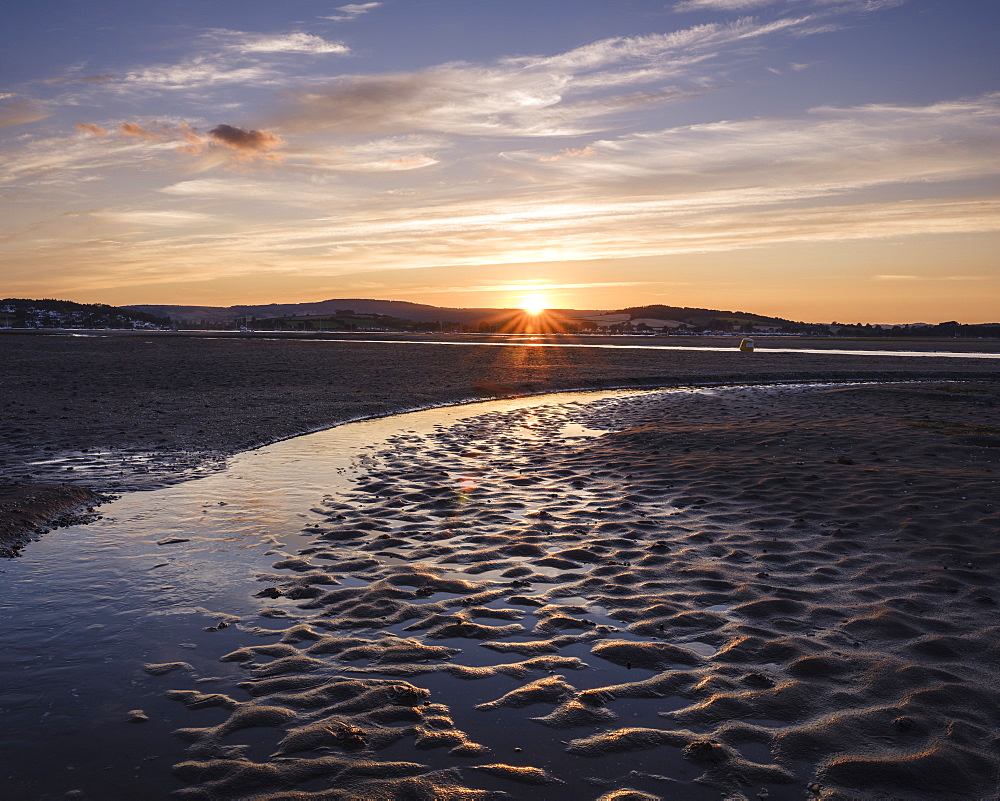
(135, 411)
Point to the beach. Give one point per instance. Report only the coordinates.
(762, 591)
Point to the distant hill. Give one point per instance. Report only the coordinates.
(424, 313)
(695, 316)
(686, 319)
(49, 313)
(359, 314)
(419, 312)
(228, 314)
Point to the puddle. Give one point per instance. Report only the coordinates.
(577, 431)
(701, 648)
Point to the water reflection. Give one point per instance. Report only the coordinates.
(86, 607)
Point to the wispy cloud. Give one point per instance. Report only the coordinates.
(723, 6)
(449, 166)
(297, 42)
(562, 95)
(63, 160)
(352, 11)
(390, 154)
(454, 236)
(73, 76)
(531, 286)
(159, 218)
(247, 188)
(571, 153)
(830, 150)
(898, 277)
(223, 59)
(196, 73)
(131, 129)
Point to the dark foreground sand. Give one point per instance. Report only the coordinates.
(782, 592)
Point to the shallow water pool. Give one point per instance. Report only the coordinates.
(85, 607)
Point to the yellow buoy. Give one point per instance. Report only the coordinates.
(746, 345)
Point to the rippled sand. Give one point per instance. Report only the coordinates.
(747, 593)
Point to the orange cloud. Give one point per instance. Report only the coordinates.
(191, 142)
(91, 128)
(134, 129)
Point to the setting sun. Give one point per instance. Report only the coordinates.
(533, 304)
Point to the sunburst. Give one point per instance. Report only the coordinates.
(534, 304)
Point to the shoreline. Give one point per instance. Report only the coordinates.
(28, 511)
(715, 341)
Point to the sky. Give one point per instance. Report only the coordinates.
(815, 160)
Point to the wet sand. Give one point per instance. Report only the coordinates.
(31, 510)
(782, 592)
(790, 590)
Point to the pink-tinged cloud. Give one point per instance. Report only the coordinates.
(571, 153)
(191, 142)
(138, 131)
(91, 128)
(21, 112)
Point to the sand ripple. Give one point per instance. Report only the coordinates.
(781, 590)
